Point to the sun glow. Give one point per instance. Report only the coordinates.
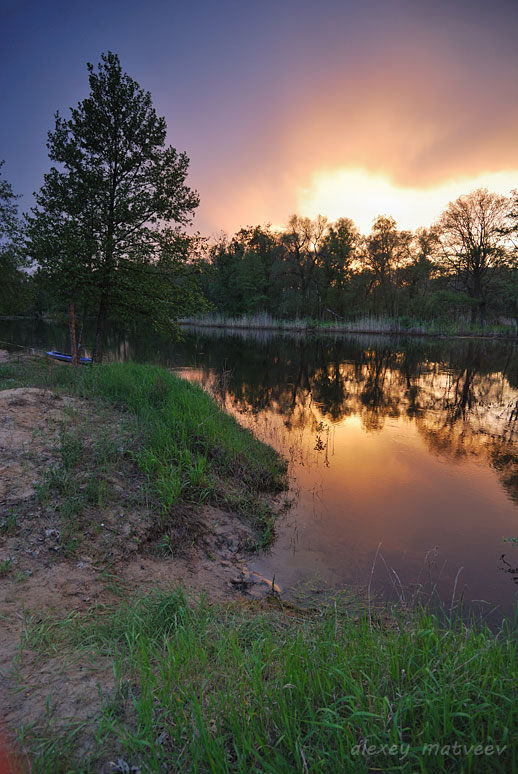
(362, 195)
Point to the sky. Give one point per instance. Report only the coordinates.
(338, 107)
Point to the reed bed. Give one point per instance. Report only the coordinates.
(365, 324)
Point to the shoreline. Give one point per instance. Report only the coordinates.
(316, 329)
(137, 644)
(286, 327)
(362, 332)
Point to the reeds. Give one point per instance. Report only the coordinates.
(364, 324)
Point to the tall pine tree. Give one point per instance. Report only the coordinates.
(108, 226)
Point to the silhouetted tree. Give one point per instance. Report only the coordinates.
(335, 265)
(473, 233)
(386, 250)
(302, 242)
(14, 281)
(109, 222)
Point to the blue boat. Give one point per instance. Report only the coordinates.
(68, 358)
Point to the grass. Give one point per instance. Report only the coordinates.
(363, 324)
(203, 687)
(9, 523)
(188, 449)
(6, 566)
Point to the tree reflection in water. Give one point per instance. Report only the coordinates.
(461, 396)
(456, 400)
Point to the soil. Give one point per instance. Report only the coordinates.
(55, 561)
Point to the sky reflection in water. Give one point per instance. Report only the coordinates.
(410, 445)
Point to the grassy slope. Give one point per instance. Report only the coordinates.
(190, 450)
(212, 688)
(202, 687)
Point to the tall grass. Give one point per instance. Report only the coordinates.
(207, 688)
(363, 324)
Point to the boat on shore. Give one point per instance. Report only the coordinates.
(68, 358)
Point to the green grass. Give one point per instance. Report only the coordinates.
(209, 688)
(201, 687)
(6, 566)
(188, 448)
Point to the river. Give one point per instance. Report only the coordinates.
(403, 453)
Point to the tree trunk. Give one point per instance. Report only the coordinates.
(82, 329)
(98, 352)
(72, 327)
(479, 295)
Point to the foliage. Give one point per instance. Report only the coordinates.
(473, 233)
(384, 253)
(108, 226)
(324, 271)
(15, 282)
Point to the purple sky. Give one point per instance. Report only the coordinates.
(283, 106)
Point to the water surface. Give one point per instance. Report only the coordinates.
(402, 453)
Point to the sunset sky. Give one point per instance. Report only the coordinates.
(337, 107)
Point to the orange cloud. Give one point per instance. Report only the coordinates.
(425, 107)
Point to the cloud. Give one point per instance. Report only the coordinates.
(361, 196)
(419, 96)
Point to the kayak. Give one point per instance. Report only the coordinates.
(67, 358)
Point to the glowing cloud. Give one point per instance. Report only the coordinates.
(362, 195)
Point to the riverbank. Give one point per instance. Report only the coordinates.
(187, 684)
(364, 325)
(113, 479)
(131, 640)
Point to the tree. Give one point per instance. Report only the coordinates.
(302, 243)
(14, 280)
(509, 287)
(338, 254)
(473, 232)
(108, 225)
(386, 251)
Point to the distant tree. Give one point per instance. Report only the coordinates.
(302, 242)
(108, 224)
(385, 252)
(473, 232)
(238, 273)
(506, 287)
(416, 276)
(337, 256)
(14, 281)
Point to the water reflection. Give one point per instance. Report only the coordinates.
(411, 444)
(408, 443)
(460, 406)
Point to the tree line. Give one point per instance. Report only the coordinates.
(464, 267)
(108, 237)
